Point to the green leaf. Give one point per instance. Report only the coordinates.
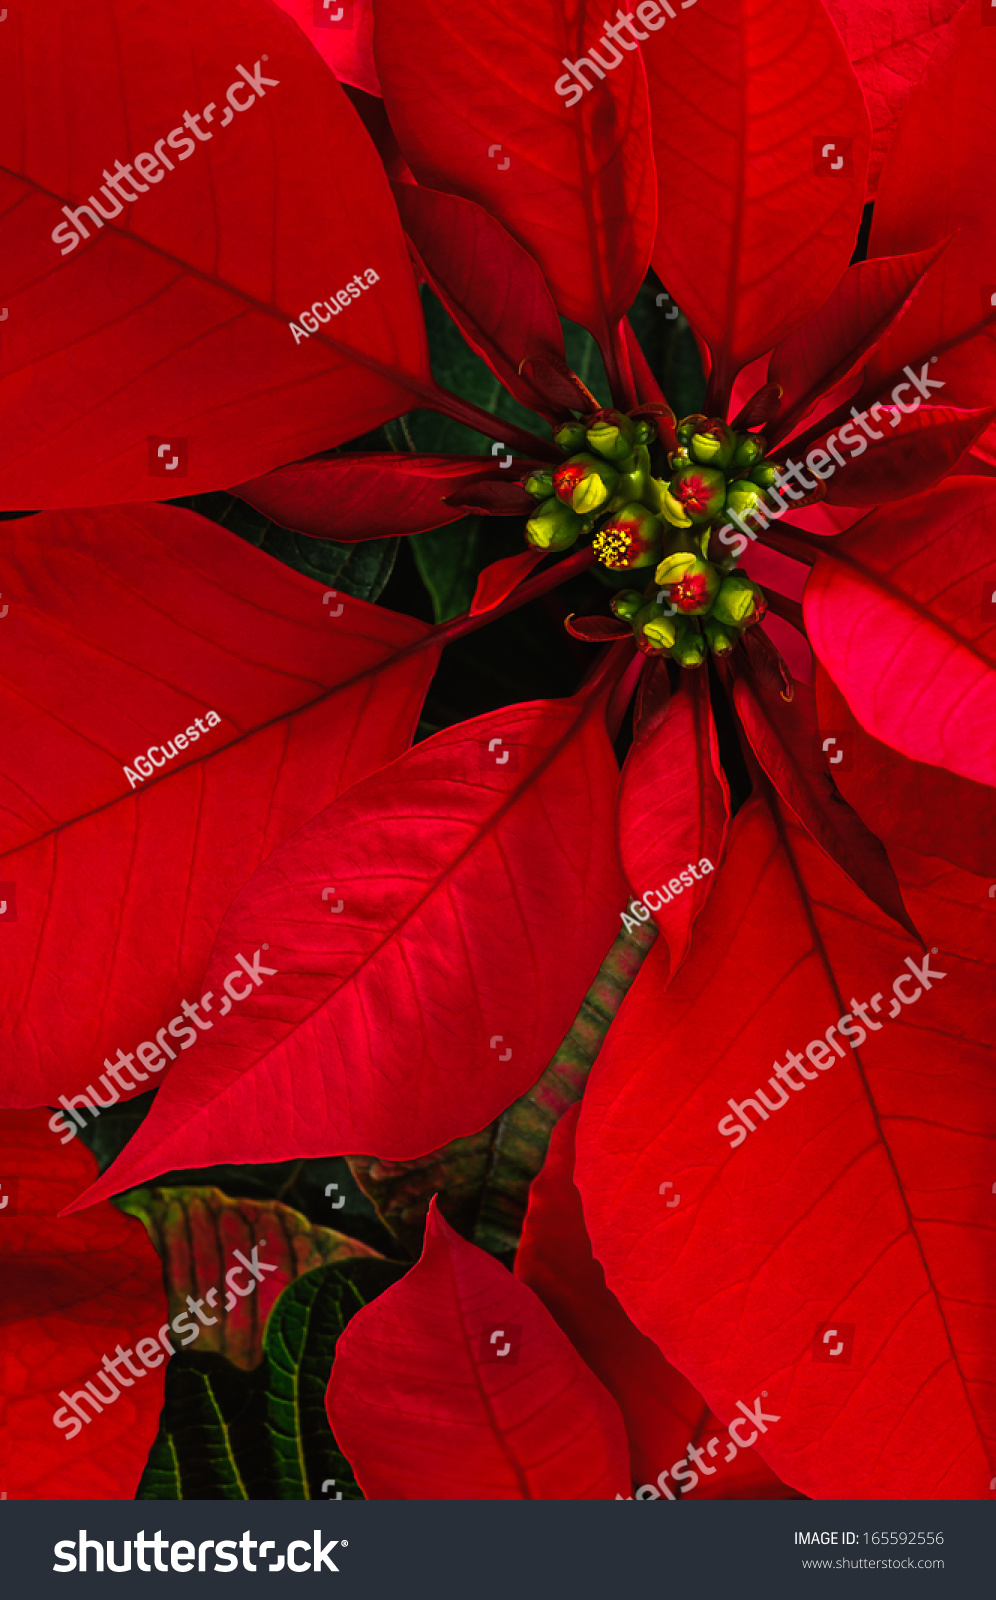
(197, 1232)
(212, 1442)
(300, 1347)
(358, 569)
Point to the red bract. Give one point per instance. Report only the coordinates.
(123, 628)
(471, 96)
(664, 1415)
(74, 1291)
(847, 1200)
(171, 321)
(408, 992)
(457, 1384)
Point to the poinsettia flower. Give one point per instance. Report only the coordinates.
(815, 523)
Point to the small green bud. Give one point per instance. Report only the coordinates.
(750, 448)
(689, 425)
(679, 458)
(554, 526)
(739, 602)
(584, 483)
(701, 492)
(742, 496)
(713, 445)
(539, 484)
(689, 649)
(719, 639)
(644, 431)
(636, 482)
(626, 604)
(570, 436)
(612, 434)
(764, 474)
(654, 630)
(632, 537)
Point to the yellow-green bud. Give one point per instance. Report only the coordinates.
(553, 527)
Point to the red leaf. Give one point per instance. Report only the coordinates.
(786, 740)
(171, 325)
(424, 1408)
(906, 803)
(344, 42)
(432, 997)
(754, 229)
(761, 407)
(597, 630)
(653, 694)
(74, 1291)
(664, 1415)
(889, 49)
(897, 614)
(674, 807)
(472, 97)
(854, 1205)
(497, 581)
(834, 341)
(366, 496)
(494, 497)
(930, 188)
(491, 287)
(561, 388)
(124, 627)
(925, 445)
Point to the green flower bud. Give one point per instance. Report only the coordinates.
(644, 431)
(632, 537)
(764, 474)
(689, 425)
(701, 492)
(689, 649)
(691, 583)
(570, 436)
(742, 496)
(750, 448)
(739, 602)
(626, 604)
(554, 526)
(671, 509)
(714, 445)
(584, 483)
(636, 482)
(611, 434)
(654, 630)
(540, 484)
(679, 458)
(719, 639)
